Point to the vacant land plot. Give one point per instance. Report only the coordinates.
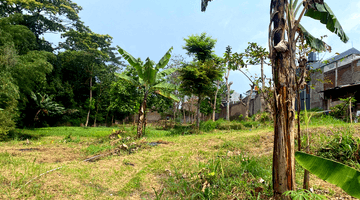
(83, 163)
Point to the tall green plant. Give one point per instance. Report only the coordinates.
(150, 79)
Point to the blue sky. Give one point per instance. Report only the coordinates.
(150, 28)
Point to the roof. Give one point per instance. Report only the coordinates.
(335, 58)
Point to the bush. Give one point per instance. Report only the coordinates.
(209, 125)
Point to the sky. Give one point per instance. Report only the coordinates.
(149, 28)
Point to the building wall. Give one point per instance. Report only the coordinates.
(345, 74)
(356, 71)
(316, 97)
(329, 76)
(236, 110)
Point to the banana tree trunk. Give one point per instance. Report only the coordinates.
(141, 117)
(283, 70)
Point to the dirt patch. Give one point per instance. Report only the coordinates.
(47, 154)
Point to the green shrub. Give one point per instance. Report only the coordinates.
(209, 125)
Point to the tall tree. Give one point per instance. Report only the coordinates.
(229, 60)
(198, 78)
(284, 32)
(150, 79)
(9, 91)
(94, 50)
(201, 48)
(43, 16)
(256, 55)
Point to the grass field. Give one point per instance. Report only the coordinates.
(165, 164)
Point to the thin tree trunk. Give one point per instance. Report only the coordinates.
(88, 115)
(350, 112)
(248, 101)
(298, 114)
(97, 106)
(183, 109)
(284, 102)
(227, 96)
(306, 184)
(214, 109)
(198, 113)
(262, 98)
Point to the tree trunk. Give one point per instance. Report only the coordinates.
(88, 115)
(97, 106)
(262, 97)
(306, 184)
(248, 101)
(198, 113)
(183, 110)
(298, 114)
(284, 102)
(141, 117)
(350, 113)
(214, 109)
(227, 97)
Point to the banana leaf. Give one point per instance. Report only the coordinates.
(164, 60)
(166, 72)
(313, 42)
(164, 86)
(132, 61)
(128, 79)
(149, 74)
(336, 173)
(168, 95)
(323, 13)
(204, 4)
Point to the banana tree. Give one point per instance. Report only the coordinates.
(285, 31)
(151, 79)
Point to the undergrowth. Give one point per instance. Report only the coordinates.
(236, 177)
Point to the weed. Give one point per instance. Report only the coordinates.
(95, 149)
(220, 178)
(342, 147)
(303, 195)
